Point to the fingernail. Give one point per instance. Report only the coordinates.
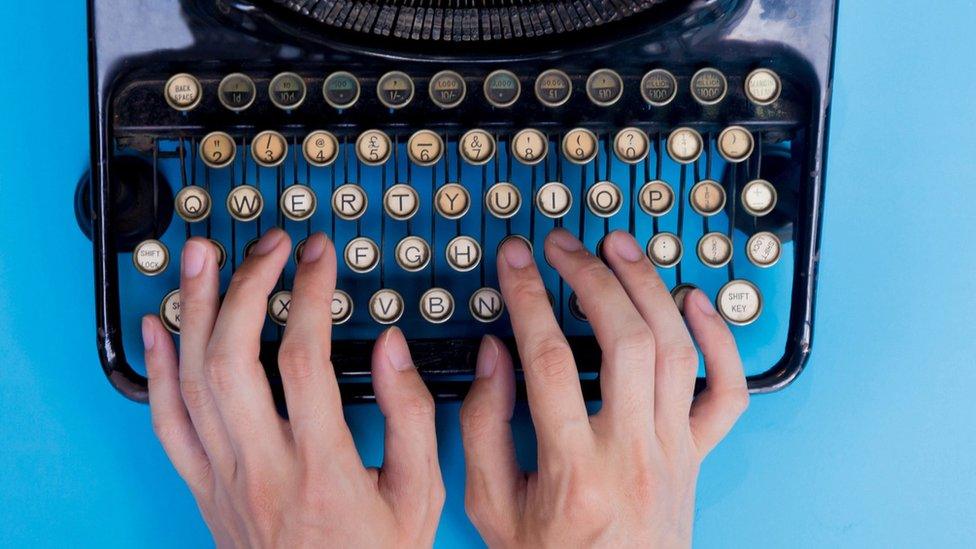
(703, 303)
(268, 242)
(313, 249)
(194, 256)
(398, 355)
(516, 253)
(565, 241)
(487, 358)
(626, 247)
(148, 337)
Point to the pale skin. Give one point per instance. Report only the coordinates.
(624, 476)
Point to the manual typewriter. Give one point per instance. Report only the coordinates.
(420, 134)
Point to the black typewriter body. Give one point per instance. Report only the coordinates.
(144, 151)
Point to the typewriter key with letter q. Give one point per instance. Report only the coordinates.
(386, 306)
(150, 257)
(193, 203)
(437, 305)
(217, 150)
(486, 305)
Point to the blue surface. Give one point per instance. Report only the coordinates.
(873, 446)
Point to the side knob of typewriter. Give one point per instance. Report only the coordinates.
(780, 178)
(138, 214)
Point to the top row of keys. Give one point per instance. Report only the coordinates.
(447, 89)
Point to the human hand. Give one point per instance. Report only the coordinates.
(625, 476)
(263, 481)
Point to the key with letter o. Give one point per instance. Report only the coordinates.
(604, 199)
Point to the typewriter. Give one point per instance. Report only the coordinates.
(419, 134)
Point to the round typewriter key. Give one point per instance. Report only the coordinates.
(553, 88)
(665, 250)
(217, 150)
(659, 87)
(193, 203)
(707, 197)
(530, 146)
(298, 250)
(685, 145)
(764, 249)
(735, 144)
(739, 302)
(515, 236)
(169, 311)
(395, 89)
(412, 253)
(575, 309)
(298, 202)
(341, 307)
(715, 250)
(656, 198)
(362, 254)
(604, 199)
(631, 145)
(236, 92)
(320, 148)
(278, 306)
(269, 148)
(759, 197)
(679, 293)
(249, 247)
(221, 253)
(604, 87)
(437, 305)
(763, 86)
(486, 305)
(183, 92)
(287, 90)
(386, 306)
(447, 89)
(425, 147)
(477, 146)
(503, 200)
(554, 199)
(708, 86)
(452, 201)
(341, 89)
(373, 147)
(502, 88)
(463, 253)
(401, 201)
(245, 203)
(580, 146)
(349, 202)
(150, 257)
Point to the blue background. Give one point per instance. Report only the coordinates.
(872, 446)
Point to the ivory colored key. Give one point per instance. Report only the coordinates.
(395, 89)
(150, 257)
(412, 253)
(217, 150)
(684, 145)
(245, 203)
(764, 249)
(503, 200)
(580, 145)
(575, 308)
(341, 307)
(373, 147)
(278, 305)
(437, 305)
(386, 306)
(452, 201)
(707, 197)
(486, 305)
(631, 145)
(679, 293)
(287, 91)
(665, 250)
(477, 146)
(362, 254)
(759, 197)
(320, 148)
(269, 148)
(604, 199)
(349, 201)
(463, 253)
(401, 201)
(530, 146)
(183, 92)
(739, 302)
(763, 86)
(425, 147)
(221, 253)
(735, 144)
(714, 249)
(656, 198)
(193, 203)
(554, 199)
(169, 311)
(298, 202)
